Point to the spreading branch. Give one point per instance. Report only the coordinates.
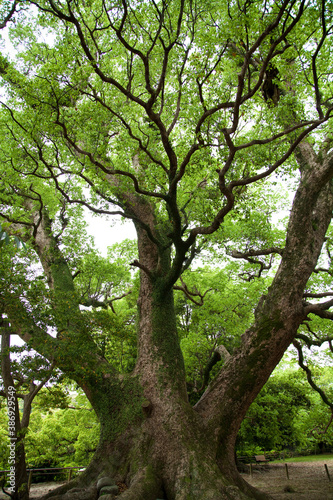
(191, 294)
(321, 309)
(103, 304)
(248, 256)
(9, 16)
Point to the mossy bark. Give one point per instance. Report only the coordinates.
(151, 438)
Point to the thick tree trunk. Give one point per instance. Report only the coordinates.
(166, 450)
(152, 439)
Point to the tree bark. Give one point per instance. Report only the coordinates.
(168, 451)
(18, 472)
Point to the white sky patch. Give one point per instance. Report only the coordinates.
(106, 232)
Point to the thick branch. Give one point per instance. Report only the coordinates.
(103, 304)
(280, 312)
(320, 310)
(311, 342)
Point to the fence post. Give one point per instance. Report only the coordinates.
(69, 475)
(29, 479)
(287, 472)
(328, 474)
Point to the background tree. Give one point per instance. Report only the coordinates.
(64, 431)
(273, 420)
(170, 115)
(288, 415)
(21, 378)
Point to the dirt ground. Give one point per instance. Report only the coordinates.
(37, 490)
(307, 481)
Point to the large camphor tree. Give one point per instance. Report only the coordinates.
(172, 114)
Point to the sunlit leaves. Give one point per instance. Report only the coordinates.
(226, 312)
(272, 423)
(62, 436)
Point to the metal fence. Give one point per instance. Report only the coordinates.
(51, 472)
(286, 469)
(310, 480)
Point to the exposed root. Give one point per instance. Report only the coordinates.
(145, 485)
(73, 494)
(82, 487)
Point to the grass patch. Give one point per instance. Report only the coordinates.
(309, 458)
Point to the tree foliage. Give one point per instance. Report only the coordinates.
(63, 430)
(288, 415)
(184, 117)
(62, 436)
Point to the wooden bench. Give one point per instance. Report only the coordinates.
(261, 459)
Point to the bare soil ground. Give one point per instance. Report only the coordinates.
(40, 489)
(36, 491)
(307, 480)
